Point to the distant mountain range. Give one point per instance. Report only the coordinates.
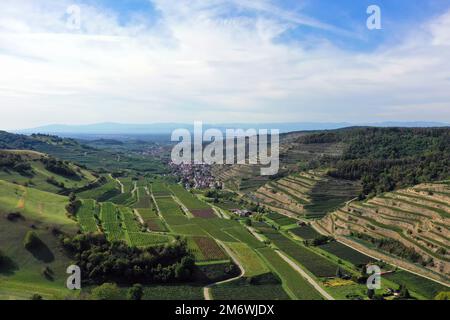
(100, 129)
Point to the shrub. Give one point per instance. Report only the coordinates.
(2, 258)
(135, 292)
(107, 291)
(443, 296)
(31, 240)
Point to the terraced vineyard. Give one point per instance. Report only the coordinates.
(307, 194)
(415, 218)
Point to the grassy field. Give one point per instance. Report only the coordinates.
(36, 204)
(39, 174)
(21, 276)
(291, 279)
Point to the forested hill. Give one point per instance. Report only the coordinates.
(100, 159)
(388, 158)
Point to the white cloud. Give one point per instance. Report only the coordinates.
(195, 64)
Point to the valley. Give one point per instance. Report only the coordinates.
(125, 215)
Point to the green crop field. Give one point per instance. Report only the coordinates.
(86, 216)
(241, 290)
(168, 207)
(146, 239)
(129, 220)
(160, 189)
(188, 229)
(280, 220)
(427, 288)
(111, 222)
(243, 235)
(188, 199)
(343, 252)
(292, 280)
(143, 199)
(316, 264)
(103, 193)
(147, 213)
(252, 263)
(173, 292)
(206, 249)
(305, 232)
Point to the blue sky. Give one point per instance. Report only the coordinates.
(223, 61)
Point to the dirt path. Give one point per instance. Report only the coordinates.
(308, 278)
(207, 289)
(255, 234)
(122, 188)
(135, 189)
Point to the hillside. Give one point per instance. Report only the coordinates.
(295, 155)
(307, 194)
(41, 171)
(411, 224)
(75, 151)
(41, 269)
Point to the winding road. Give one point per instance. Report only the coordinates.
(207, 289)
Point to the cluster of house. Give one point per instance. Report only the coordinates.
(195, 175)
(242, 212)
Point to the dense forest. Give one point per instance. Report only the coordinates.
(388, 158)
(102, 261)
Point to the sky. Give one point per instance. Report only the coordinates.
(218, 61)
